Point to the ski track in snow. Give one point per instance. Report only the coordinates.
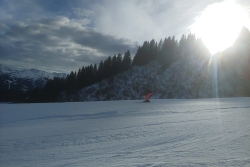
(200, 132)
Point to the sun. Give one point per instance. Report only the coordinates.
(219, 25)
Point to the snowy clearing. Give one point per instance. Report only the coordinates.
(200, 132)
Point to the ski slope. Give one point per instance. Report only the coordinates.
(200, 132)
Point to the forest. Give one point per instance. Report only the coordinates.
(165, 52)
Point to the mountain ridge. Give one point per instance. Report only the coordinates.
(25, 80)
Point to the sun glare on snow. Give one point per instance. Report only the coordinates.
(219, 25)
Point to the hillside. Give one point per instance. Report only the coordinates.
(185, 71)
(195, 76)
(14, 82)
(24, 80)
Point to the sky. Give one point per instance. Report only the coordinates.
(64, 35)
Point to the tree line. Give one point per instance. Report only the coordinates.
(167, 51)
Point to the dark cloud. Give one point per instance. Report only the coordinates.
(13, 10)
(55, 5)
(63, 5)
(104, 43)
(58, 42)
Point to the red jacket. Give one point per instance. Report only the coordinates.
(148, 96)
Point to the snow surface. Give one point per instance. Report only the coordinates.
(201, 132)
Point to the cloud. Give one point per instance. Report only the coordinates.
(83, 12)
(147, 19)
(64, 35)
(59, 42)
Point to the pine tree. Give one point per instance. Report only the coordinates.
(153, 50)
(79, 79)
(107, 67)
(114, 65)
(137, 58)
(119, 63)
(100, 72)
(126, 62)
(167, 54)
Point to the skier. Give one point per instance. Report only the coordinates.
(148, 95)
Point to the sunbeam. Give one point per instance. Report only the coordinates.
(219, 25)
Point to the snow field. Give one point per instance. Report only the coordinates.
(200, 132)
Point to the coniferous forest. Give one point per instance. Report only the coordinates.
(164, 52)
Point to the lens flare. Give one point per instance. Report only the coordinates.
(220, 24)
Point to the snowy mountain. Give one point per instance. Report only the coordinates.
(192, 76)
(24, 80)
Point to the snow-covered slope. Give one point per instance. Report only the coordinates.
(24, 79)
(192, 76)
(163, 133)
(7, 70)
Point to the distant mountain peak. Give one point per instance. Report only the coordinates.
(25, 78)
